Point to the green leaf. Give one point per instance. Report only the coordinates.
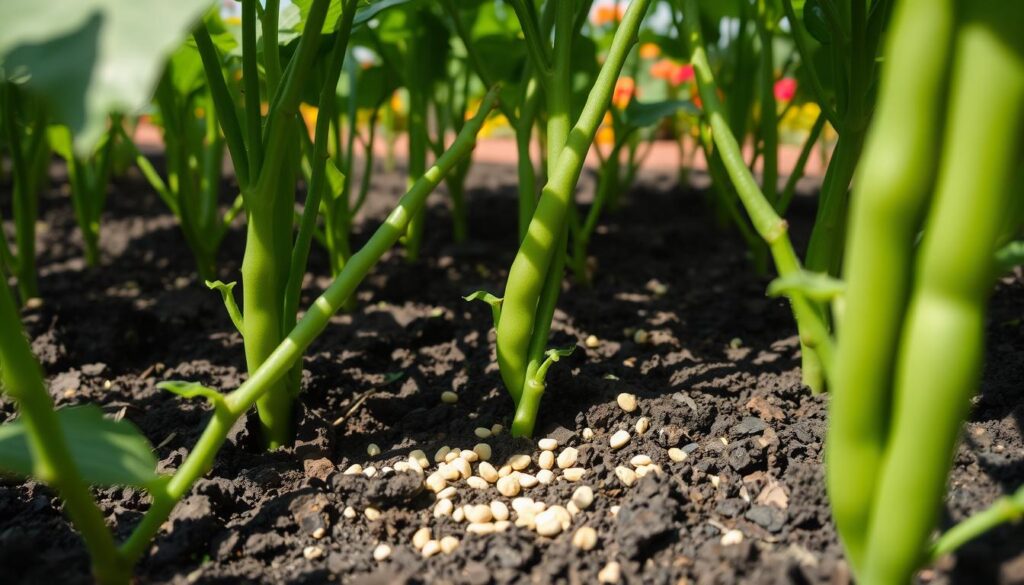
(60, 140)
(88, 58)
(643, 114)
(493, 301)
(557, 353)
(107, 452)
(193, 390)
(816, 286)
(1010, 256)
(335, 179)
(228, 296)
(816, 22)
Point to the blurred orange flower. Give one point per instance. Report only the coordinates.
(607, 14)
(625, 89)
(663, 69)
(649, 51)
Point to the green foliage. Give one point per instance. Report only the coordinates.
(89, 58)
(107, 452)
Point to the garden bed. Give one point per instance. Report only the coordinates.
(714, 377)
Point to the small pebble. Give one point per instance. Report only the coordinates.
(421, 537)
(449, 397)
(483, 451)
(546, 460)
(496, 429)
(626, 475)
(449, 544)
(574, 473)
(487, 472)
(619, 439)
(626, 401)
(499, 510)
(640, 460)
(370, 471)
(443, 508)
(447, 493)
(441, 454)
(545, 476)
(528, 481)
(486, 528)
(588, 434)
(583, 497)
(462, 466)
(732, 537)
(567, 458)
(459, 514)
(548, 523)
(592, 342)
(468, 455)
(371, 513)
(640, 337)
(312, 552)
(519, 462)
(508, 486)
(319, 533)
(478, 514)
(431, 548)
(373, 449)
(522, 505)
(349, 512)
(611, 573)
(642, 424)
(435, 482)
(676, 454)
(547, 444)
(477, 483)
(382, 552)
(420, 458)
(354, 469)
(585, 538)
(482, 433)
(615, 510)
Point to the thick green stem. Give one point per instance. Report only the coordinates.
(815, 343)
(942, 340)
(280, 361)
(528, 272)
(825, 250)
(769, 122)
(53, 463)
(886, 211)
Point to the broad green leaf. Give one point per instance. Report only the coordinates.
(88, 58)
(816, 286)
(643, 114)
(107, 452)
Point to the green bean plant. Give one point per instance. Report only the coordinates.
(194, 154)
(89, 177)
(921, 260)
(523, 316)
(73, 448)
(22, 122)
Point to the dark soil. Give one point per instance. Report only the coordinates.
(718, 377)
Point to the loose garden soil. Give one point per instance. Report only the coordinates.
(718, 377)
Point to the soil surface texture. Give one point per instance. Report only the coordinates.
(679, 318)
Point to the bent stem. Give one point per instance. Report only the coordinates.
(816, 346)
